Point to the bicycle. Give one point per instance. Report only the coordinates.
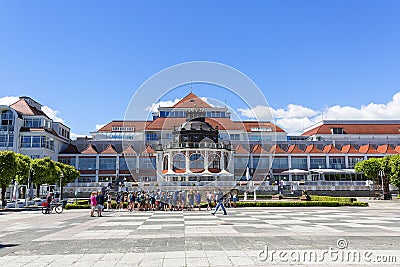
(56, 206)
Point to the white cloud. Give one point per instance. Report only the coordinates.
(8, 100)
(53, 114)
(294, 118)
(99, 126)
(167, 103)
(75, 136)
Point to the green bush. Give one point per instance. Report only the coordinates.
(336, 199)
(300, 204)
(77, 206)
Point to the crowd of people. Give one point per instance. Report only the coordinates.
(161, 200)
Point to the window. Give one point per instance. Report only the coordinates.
(107, 163)
(7, 120)
(147, 163)
(353, 161)
(234, 137)
(165, 163)
(32, 122)
(337, 131)
(35, 156)
(179, 161)
(6, 140)
(151, 137)
(35, 141)
(317, 163)
(128, 163)
(69, 161)
(299, 163)
(260, 163)
(241, 163)
(196, 161)
(337, 163)
(280, 163)
(87, 163)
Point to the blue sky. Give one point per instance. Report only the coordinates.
(85, 59)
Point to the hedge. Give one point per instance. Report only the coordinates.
(300, 204)
(336, 199)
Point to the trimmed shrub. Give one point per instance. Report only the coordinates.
(337, 199)
(70, 206)
(301, 204)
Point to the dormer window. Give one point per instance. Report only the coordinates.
(337, 130)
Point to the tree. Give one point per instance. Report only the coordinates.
(69, 173)
(45, 172)
(8, 169)
(373, 167)
(23, 168)
(369, 167)
(395, 170)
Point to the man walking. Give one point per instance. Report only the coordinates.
(220, 199)
(100, 203)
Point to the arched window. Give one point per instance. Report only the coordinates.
(196, 161)
(214, 161)
(179, 161)
(165, 163)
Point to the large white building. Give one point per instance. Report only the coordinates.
(26, 129)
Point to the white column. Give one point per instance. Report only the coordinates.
(308, 162)
(169, 162)
(290, 162)
(187, 158)
(327, 162)
(222, 161)
(346, 160)
(205, 161)
(97, 167)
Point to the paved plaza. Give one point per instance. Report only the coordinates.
(123, 238)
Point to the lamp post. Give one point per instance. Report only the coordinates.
(382, 174)
(61, 177)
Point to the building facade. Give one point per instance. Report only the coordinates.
(26, 129)
(195, 144)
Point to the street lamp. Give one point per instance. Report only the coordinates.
(381, 174)
(61, 177)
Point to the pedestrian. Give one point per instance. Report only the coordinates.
(100, 204)
(109, 197)
(209, 199)
(191, 200)
(118, 200)
(220, 199)
(198, 200)
(235, 199)
(93, 203)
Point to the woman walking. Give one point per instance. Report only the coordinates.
(93, 204)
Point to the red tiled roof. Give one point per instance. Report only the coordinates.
(277, 150)
(240, 150)
(148, 150)
(24, 108)
(138, 125)
(251, 126)
(331, 149)
(349, 149)
(257, 149)
(90, 149)
(294, 149)
(129, 150)
(191, 101)
(367, 149)
(397, 149)
(165, 123)
(312, 149)
(109, 150)
(356, 129)
(386, 149)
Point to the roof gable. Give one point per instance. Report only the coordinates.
(367, 149)
(148, 150)
(129, 151)
(294, 149)
(386, 149)
(257, 149)
(349, 149)
(71, 149)
(22, 107)
(90, 149)
(331, 149)
(312, 149)
(277, 150)
(109, 150)
(240, 150)
(191, 101)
